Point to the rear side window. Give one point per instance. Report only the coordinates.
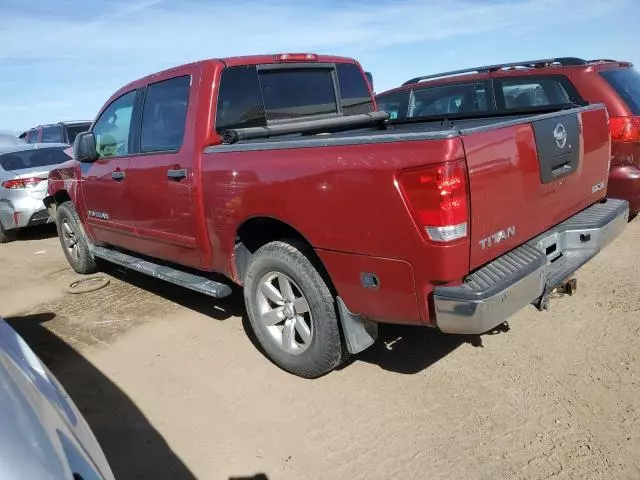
(530, 92)
(626, 83)
(164, 115)
(354, 90)
(395, 104)
(52, 134)
(42, 157)
(73, 131)
(251, 96)
(449, 100)
(240, 99)
(33, 136)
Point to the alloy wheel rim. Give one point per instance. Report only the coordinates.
(70, 240)
(285, 313)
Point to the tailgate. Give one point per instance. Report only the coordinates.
(527, 176)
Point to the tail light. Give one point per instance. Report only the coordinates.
(437, 198)
(297, 57)
(21, 183)
(625, 129)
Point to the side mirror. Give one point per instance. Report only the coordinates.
(84, 147)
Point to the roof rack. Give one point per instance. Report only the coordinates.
(563, 61)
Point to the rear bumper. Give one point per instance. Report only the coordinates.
(23, 212)
(490, 295)
(624, 183)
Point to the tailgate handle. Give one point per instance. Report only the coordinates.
(177, 174)
(563, 168)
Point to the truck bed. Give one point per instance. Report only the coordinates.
(395, 132)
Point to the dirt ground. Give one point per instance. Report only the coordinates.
(174, 388)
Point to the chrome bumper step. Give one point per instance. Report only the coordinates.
(491, 294)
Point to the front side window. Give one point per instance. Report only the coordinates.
(626, 82)
(52, 134)
(33, 136)
(113, 127)
(447, 100)
(164, 115)
(530, 92)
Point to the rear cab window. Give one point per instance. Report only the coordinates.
(626, 83)
(254, 96)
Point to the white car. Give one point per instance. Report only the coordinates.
(42, 434)
(24, 169)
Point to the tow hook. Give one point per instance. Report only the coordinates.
(568, 288)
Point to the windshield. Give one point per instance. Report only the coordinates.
(626, 82)
(41, 157)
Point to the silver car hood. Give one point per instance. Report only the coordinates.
(42, 433)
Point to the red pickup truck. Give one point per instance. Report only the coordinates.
(276, 173)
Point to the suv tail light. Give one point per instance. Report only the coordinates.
(625, 129)
(437, 197)
(21, 183)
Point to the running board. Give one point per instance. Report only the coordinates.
(163, 272)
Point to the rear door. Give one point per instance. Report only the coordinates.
(109, 212)
(160, 177)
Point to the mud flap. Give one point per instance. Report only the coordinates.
(359, 332)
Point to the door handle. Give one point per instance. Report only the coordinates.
(177, 174)
(117, 175)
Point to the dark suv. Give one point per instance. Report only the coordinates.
(61, 132)
(536, 86)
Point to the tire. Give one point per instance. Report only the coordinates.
(74, 240)
(307, 352)
(6, 236)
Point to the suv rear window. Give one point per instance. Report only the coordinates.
(41, 157)
(251, 96)
(626, 82)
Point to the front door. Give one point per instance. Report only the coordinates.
(160, 176)
(108, 209)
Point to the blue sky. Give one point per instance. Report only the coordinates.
(61, 59)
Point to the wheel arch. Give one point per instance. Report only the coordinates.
(258, 231)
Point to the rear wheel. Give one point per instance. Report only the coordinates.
(73, 240)
(6, 236)
(292, 311)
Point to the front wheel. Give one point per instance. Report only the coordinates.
(292, 311)
(74, 240)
